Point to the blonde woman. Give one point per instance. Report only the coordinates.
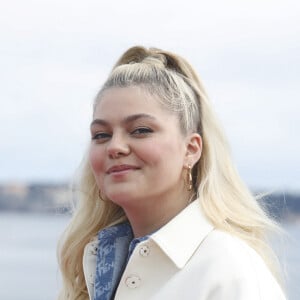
(163, 213)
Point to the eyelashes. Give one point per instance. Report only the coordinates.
(138, 132)
(101, 136)
(142, 131)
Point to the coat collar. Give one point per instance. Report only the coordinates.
(180, 237)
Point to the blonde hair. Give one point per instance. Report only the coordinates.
(225, 199)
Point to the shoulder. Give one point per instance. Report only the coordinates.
(227, 246)
(231, 253)
(232, 262)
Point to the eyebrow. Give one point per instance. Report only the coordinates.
(126, 120)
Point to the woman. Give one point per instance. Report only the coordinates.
(163, 213)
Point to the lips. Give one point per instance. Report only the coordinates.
(120, 168)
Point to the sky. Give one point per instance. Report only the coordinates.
(55, 55)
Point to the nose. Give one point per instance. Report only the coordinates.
(117, 146)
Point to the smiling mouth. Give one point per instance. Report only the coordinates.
(121, 168)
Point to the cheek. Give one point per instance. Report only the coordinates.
(159, 153)
(95, 158)
(150, 153)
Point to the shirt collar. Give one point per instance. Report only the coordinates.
(180, 237)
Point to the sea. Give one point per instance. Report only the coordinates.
(28, 264)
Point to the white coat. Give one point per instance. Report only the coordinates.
(189, 259)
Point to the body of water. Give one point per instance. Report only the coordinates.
(28, 266)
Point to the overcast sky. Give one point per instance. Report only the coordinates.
(55, 54)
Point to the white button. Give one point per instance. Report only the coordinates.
(92, 248)
(91, 279)
(144, 250)
(95, 250)
(133, 281)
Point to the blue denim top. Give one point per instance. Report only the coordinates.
(116, 244)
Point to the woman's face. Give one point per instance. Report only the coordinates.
(137, 149)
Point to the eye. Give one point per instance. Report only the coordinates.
(141, 131)
(101, 136)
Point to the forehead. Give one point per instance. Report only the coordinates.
(130, 99)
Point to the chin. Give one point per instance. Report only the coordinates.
(120, 198)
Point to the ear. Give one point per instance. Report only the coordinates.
(193, 149)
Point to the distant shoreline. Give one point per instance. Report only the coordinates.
(56, 199)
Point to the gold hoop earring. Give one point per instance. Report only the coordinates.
(189, 178)
(101, 197)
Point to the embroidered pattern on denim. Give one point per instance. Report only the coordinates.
(116, 245)
(111, 258)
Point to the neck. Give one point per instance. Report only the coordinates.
(153, 214)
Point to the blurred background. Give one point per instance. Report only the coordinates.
(54, 56)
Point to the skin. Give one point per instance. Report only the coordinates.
(139, 157)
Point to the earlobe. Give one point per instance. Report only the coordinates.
(194, 148)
